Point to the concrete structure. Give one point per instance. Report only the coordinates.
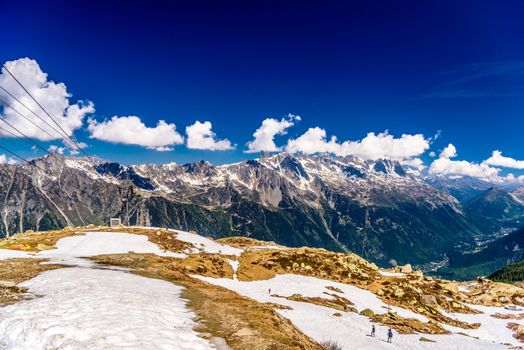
(115, 222)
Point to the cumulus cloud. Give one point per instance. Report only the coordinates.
(200, 136)
(264, 136)
(384, 145)
(132, 131)
(445, 166)
(416, 163)
(449, 152)
(373, 146)
(6, 160)
(313, 141)
(52, 96)
(497, 159)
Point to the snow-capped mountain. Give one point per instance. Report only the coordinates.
(375, 208)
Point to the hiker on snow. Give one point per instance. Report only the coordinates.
(373, 331)
(390, 335)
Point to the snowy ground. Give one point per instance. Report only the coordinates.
(204, 244)
(86, 307)
(351, 330)
(13, 254)
(70, 249)
(82, 308)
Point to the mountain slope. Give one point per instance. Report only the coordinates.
(511, 273)
(484, 261)
(374, 208)
(495, 210)
(464, 188)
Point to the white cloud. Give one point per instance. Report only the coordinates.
(416, 163)
(200, 136)
(497, 159)
(445, 166)
(373, 146)
(132, 131)
(384, 145)
(56, 149)
(432, 154)
(313, 141)
(264, 136)
(52, 96)
(6, 160)
(449, 152)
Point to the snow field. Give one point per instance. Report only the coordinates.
(86, 307)
(205, 244)
(79, 308)
(202, 244)
(350, 330)
(70, 249)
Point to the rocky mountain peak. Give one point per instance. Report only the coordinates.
(121, 172)
(389, 167)
(203, 168)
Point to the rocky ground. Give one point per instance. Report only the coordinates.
(255, 294)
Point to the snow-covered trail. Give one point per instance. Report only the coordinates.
(81, 308)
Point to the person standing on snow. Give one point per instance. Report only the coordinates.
(390, 335)
(373, 331)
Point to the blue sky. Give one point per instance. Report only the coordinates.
(349, 68)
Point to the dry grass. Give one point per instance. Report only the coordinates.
(14, 271)
(508, 316)
(165, 239)
(320, 263)
(338, 303)
(30, 241)
(245, 242)
(242, 322)
(210, 265)
(408, 325)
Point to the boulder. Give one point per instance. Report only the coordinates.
(367, 313)
(398, 293)
(406, 268)
(429, 300)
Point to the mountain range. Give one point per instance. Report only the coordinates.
(379, 209)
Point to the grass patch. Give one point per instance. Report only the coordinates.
(14, 271)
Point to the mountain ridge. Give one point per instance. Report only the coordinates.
(375, 208)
